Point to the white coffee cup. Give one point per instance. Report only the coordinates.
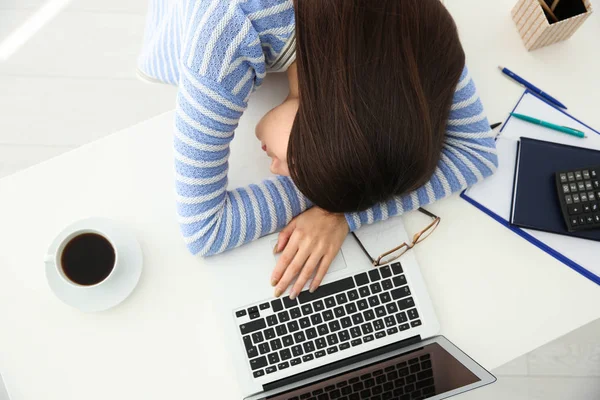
(80, 235)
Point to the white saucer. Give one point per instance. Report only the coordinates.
(120, 283)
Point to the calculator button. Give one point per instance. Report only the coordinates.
(594, 207)
(588, 185)
(597, 218)
(576, 198)
(578, 175)
(589, 219)
(586, 174)
(583, 196)
(565, 188)
(594, 174)
(573, 187)
(563, 178)
(591, 196)
(571, 176)
(596, 184)
(568, 199)
(581, 221)
(574, 209)
(574, 221)
(580, 186)
(587, 208)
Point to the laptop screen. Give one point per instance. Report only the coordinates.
(423, 373)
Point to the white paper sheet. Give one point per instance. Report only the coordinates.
(495, 193)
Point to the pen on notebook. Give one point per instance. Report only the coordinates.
(559, 128)
(531, 87)
(494, 126)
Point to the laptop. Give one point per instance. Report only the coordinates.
(3, 391)
(366, 333)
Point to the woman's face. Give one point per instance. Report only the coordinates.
(274, 129)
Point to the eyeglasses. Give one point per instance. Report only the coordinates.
(397, 252)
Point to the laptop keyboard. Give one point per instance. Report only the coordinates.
(408, 380)
(284, 333)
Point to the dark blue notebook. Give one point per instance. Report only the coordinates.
(535, 201)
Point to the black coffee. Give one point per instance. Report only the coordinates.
(88, 259)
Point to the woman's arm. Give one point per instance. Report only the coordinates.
(468, 156)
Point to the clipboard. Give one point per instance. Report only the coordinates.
(573, 252)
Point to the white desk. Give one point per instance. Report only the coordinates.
(497, 296)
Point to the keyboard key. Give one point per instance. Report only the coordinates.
(307, 309)
(311, 333)
(413, 314)
(406, 303)
(391, 308)
(299, 337)
(576, 198)
(591, 196)
(295, 313)
(425, 374)
(320, 354)
(283, 365)
(341, 298)
(289, 303)
(378, 325)
(364, 291)
(320, 343)
(573, 187)
(327, 315)
(304, 322)
(357, 319)
(269, 334)
(415, 323)
(583, 197)
(252, 352)
(308, 357)
(254, 315)
(276, 305)
(252, 310)
(373, 301)
(285, 354)
(309, 347)
(332, 350)
(401, 317)
(326, 290)
(248, 342)
(566, 189)
(346, 322)
(588, 185)
(367, 328)
(259, 373)
(257, 337)
(415, 368)
(258, 363)
(369, 315)
(570, 176)
(380, 312)
(332, 339)
(344, 336)
(355, 332)
(316, 319)
(297, 351)
(387, 284)
(283, 316)
(344, 346)
(293, 326)
(322, 329)
(385, 271)
(264, 348)
(240, 313)
(264, 306)
(374, 275)
(318, 305)
(273, 358)
(351, 308)
(281, 330)
(352, 295)
(275, 344)
(389, 321)
(330, 302)
(586, 175)
(568, 199)
(362, 304)
(295, 361)
(272, 320)
(271, 369)
(400, 293)
(392, 331)
(397, 268)
(586, 208)
(404, 327)
(356, 342)
(375, 288)
(287, 340)
(385, 297)
(361, 279)
(399, 280)
(339, 312)
(368, 338)
(369, 383)
(578, 175)
(253, 326)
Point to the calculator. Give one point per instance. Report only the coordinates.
(579, 197)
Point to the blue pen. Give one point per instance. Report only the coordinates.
(531, 88)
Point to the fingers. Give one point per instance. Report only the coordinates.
(323, 267)
(284, 236)
(294, 267)
(284, 261)
(309, 268)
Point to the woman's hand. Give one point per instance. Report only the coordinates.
(310, 241)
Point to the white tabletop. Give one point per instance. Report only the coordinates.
(496, 295)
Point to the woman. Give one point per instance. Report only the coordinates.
(382, 117)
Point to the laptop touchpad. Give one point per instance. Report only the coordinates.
(338, 264)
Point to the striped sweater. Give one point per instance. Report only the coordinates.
(217, 53)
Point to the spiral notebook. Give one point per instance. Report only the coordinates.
(494, 195)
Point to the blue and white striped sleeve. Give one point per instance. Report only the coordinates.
(468, 156)
(223, 60)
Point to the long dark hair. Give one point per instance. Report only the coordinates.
(376, 83)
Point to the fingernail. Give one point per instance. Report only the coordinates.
(274, 282)
(275, 248)
(277, 292)
(293, 294)
(312, 289)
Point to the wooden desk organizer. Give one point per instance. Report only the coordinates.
(537, 27)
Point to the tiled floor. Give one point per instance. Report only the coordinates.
(75, 82)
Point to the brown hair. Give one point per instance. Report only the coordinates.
(376, 83)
